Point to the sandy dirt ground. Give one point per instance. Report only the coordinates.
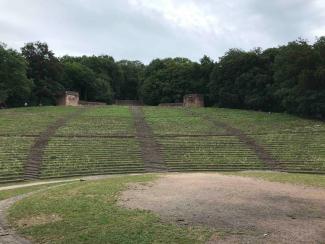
(240, 209)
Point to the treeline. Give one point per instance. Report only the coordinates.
(289, 78)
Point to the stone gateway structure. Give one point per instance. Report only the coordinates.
(68, 98)
(193, 100)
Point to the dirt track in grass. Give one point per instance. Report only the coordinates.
(260, 151)
(240, 209)
(34, 161)
(150, 149)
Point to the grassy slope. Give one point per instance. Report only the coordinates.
(106, 120)
(304, 151)
(198, 153)
(298, 144)
(30, 121)
(90, 215)
(14, 123)
(254, 122)
(19, 191)
(176, 121)
(85, 156)
(299, 179)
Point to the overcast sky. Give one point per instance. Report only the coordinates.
(147, 29)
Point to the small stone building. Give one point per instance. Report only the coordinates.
(193, 100)
(68, 98)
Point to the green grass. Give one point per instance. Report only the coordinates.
(109, 120)
(30, 121)
(82, 156)
(15, 124)
(177, 121)
(299, 179)
(87, 213)
(214, 153)
(296, 152)
(13, 153)
(297, 144)
(253, 122)
(5, 194)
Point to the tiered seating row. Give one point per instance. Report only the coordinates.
(178, 121)
(220, 153)
(296, 152)
(13, 154)
(84, 156)
(253, 122)
(30, 121)
(106, 121)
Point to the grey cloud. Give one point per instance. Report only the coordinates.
(128, 31)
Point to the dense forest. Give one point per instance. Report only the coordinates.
(289, 78)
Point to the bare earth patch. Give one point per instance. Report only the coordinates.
(242, 210)
(38, 220)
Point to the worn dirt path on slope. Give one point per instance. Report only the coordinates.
(35, 157)
(259, 150)
(150, 149)
(247, 210)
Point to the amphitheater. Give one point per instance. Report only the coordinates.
(50, 142)
(141, 174)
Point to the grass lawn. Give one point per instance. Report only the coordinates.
(19, 191)
(175, 121)
(299, 179)
(86, 212)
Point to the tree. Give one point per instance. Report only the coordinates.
(239, 80)
(168, 80)
(15, 87)
(91, 87)
(45, 70)
(299, 78)
(289, 78)
(133, 72)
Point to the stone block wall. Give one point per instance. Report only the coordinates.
(193, 100)
(69, 98)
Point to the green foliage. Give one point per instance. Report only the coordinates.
(91, 87)
(133, 74)
(300, 78)
(103, 77)
(168, 80)
(45, 70)
(15, 87)
(290, 78)
(242, 80)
